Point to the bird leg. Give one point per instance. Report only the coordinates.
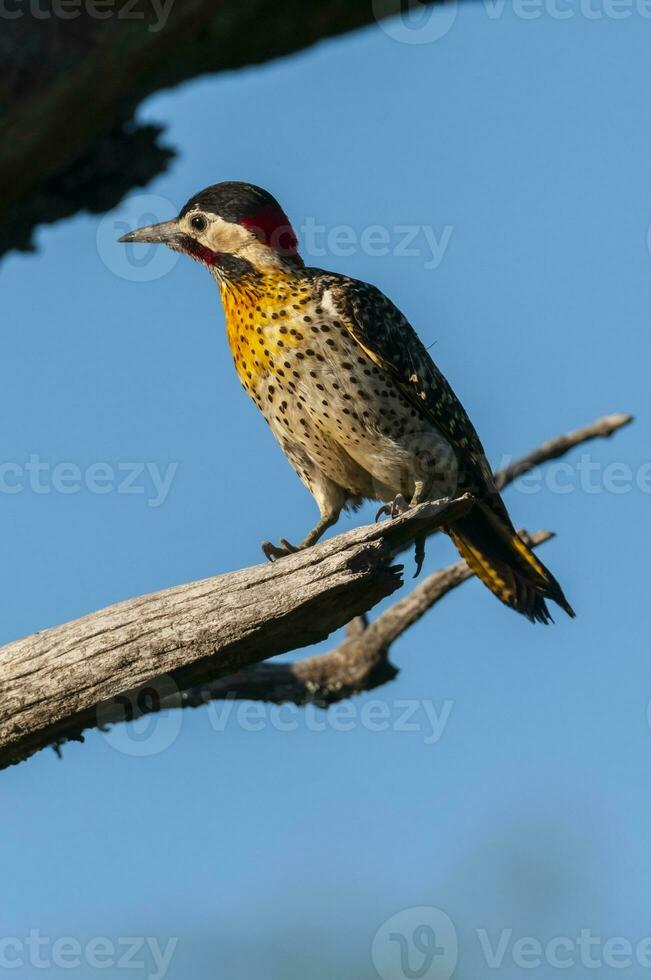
(273, 552)
(399, 506)
(394, 508)
(419, 552)
(421, 492)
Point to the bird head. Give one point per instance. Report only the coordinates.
(228, 226)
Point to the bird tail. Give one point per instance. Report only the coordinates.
(506, 564)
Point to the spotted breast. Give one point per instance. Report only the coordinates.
(343, 423)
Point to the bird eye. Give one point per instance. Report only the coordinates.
(199, 223)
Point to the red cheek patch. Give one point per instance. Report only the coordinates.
(271, 226)
(201, 252)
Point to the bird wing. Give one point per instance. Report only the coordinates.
(388, 338)
(486, 537)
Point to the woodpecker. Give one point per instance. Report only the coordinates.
(347, 388)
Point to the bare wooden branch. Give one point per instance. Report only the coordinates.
(361, 662)
(603, 428)
(208, 639)
(54, 682)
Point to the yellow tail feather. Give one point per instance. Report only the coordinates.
(506, 564)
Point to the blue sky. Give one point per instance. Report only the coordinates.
(522, 145)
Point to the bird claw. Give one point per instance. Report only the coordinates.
(273, 552)
(419, 553)
(394, 508)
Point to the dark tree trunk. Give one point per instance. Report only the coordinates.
(69, 87)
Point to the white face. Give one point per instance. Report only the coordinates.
(206, 236)
(228, 238)
(215, 233)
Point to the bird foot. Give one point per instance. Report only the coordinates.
(272, 552)
(394, 508)
(419, 553)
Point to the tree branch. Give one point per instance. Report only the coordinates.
(69, 91)
(603, 428)
(55, 682)
(206, 640)
(361, 661)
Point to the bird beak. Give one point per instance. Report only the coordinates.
(166, 233)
